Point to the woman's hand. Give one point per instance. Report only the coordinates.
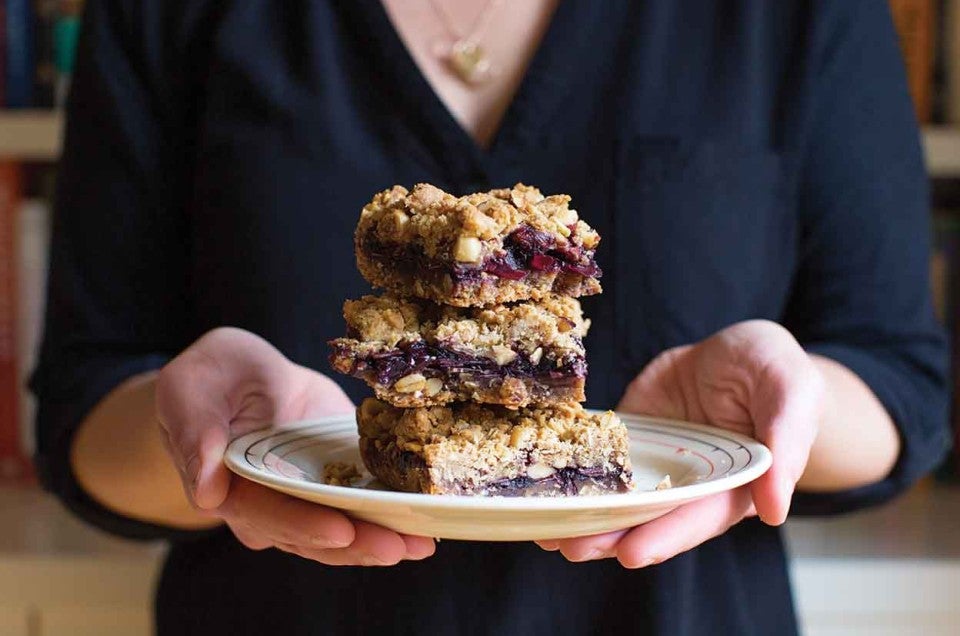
(231, 382)
(753, 378)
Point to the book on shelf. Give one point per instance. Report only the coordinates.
(916, 25)
(66, 34)
(44, 73)
(38, 40)
(950, 59)
(18, 52)
(945, 281)
(32, 256)
(14, 458)
(945, 268)
(3, 52)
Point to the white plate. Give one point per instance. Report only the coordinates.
(700, 460)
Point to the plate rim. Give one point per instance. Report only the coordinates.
(761, 460)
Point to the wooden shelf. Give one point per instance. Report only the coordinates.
(941, 146)
(30, 135)
(35, 135)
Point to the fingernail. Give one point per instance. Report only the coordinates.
(594, 553)
(787, 485)
(323, 541)
(373, 561)
(549, 545)
(643, 563)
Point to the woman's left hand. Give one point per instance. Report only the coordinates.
(753, 378)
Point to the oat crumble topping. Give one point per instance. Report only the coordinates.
(449, 226)
(341, 474)
(384, 321)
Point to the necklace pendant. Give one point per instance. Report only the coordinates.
(470, 62)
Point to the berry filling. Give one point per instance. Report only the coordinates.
(567, 481)
(524, 251)
(528, 250)
(433, 361)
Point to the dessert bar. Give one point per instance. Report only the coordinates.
(495, 247)
(471, 449)
(414, 353)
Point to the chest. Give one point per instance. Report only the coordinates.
(684, 181)
(473, 54)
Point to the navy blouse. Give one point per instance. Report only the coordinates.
(741, 159)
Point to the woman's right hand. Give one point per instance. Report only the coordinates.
(230, 382)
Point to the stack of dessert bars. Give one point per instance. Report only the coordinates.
(476, 350)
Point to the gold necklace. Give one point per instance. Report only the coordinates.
(465, 57)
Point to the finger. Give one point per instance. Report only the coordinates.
(336, 557)
(342, 556)
(371, 545)
(249, 537)
(202, 396)
(174, 454)
(196, 426)
(284, 519)
(682, 529)
(333, 556)
(787, 411)
(658, 389)
(550, 545)
(418, 548)
(211, 479)
(321, 397)
(375, 545)
(598, 546)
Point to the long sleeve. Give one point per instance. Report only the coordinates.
(862, 291)
(117, 296)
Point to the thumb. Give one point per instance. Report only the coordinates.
(196, 428)
(209, 476)
(202, 392)
(787, 408)
(322, 397)
(657, 390)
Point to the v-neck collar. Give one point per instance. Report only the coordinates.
(560, 57)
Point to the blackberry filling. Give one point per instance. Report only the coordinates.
(438, 362)
(406, 258)
(528, 250)
(566, 480)
(525, 250)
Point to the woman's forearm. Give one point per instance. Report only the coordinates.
(119, 459)
(858, 443)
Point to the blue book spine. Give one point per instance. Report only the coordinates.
(3, 53)
(19, 53)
